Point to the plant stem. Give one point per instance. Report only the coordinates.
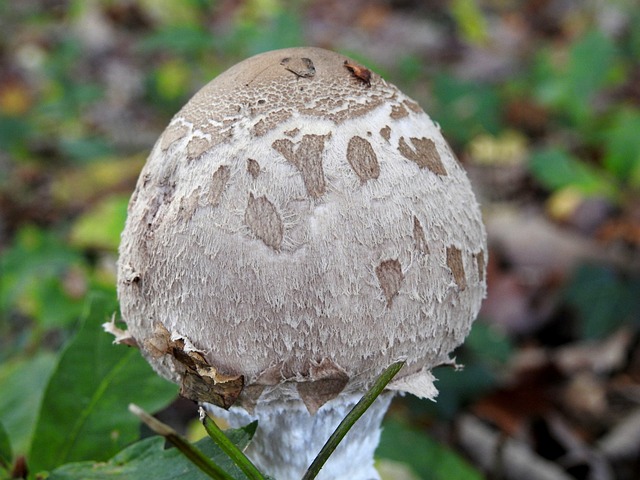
(228, 447)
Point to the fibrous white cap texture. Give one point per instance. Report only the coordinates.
(300, 225)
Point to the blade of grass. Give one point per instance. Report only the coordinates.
(192, 453)
(228, 447)
(352, 417)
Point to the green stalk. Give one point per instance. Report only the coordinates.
(192, 453)
(352, 417)
(228, 447)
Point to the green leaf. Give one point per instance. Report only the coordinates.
(101, 226)
(459, 387)
(84, 412)
(570, 86)
(466, 109)
(195, 456)
(22, 383)
(622, 148)
(427, 458)
(32, 281)
(488, 344)
(470, 20)
(148, 459)
(604, 299)
(590, 60)
(6, 454)
(555, 169)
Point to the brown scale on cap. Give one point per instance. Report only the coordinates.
(326, 380)
(253, 167)
(362, 158)
(306, 156)
(390, 276)
(218, 183)
(413, 106)
(301, 66)
(423, 153)
(385, 132)
(455, 264)
(398, 112)
(480, 263)
(263, 220)
(196, 147)
(172, 134)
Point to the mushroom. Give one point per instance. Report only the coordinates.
(300, 225)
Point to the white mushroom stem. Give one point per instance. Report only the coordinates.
(289, 437)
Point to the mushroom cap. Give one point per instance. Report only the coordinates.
(300, 225)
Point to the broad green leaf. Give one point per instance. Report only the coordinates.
(84, 412)
(193, 453)
(100, 227)
(149, 459)
(555, 169)
(426, 457)
(22, 383)
(6, 454)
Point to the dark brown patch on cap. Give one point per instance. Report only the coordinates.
(306, 156)
(424, 154)
(385, 132)
(326, 381)
(454, 262)
(301, 66)
(201, 381)
(390, 276)
(196, 147)
(480, 263)
(419, 237)
(398, 112)
(253, 167)
(363, 159)
(263, 220)
(218, 184)
(292, 133)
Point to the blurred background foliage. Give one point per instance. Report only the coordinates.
(540, 99)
